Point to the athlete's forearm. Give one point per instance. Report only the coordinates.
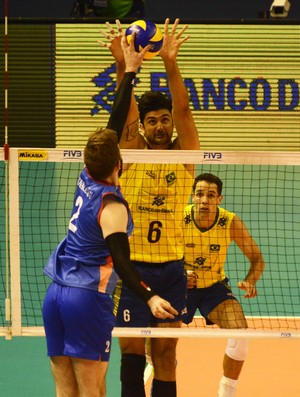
(177, 87)
(121, 104)
(118, 246)
(120, 71)
(256, 269)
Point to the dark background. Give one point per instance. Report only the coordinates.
(158, 10)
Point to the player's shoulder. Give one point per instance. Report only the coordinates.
(224, 213)
(188, 208)
(138, 142)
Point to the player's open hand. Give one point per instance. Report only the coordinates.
(133, 59)
(113, 38)
(172, 40)
(161, 308)
(251, 291)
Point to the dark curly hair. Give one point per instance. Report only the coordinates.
(153, 100)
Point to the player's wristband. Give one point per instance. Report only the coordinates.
(130, 76)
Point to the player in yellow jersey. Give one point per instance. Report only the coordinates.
(157, 195)
(208, 232)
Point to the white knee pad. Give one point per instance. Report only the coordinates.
(237, 349)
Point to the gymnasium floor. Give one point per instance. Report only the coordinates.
(271, 370)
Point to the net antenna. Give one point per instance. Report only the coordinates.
(6, 161)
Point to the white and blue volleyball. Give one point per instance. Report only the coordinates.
(147, 32)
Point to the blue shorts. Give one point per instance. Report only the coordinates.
(207, 299)
(167, 279)
(78, 322)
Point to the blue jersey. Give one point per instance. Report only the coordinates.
(82, 259)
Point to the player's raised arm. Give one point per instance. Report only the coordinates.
(113, 37)
(123, 97)
(250, 249)
(182, 115)
(131, 137)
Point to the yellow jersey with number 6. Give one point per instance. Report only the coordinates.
(157, 195)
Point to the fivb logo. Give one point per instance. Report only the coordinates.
(73, 154)
(216, 156)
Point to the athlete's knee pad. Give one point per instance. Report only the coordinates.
(237, 349)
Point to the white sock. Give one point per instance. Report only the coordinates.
(227, 387)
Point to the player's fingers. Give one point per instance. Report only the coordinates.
(102, 43)
(175, 26)
(145, 49)
(125, 44)
(110, 29)
(242, 286)
(167, 314)
(105, 34)
(166, 28)
(108, 25)
(180, 33)
(250, 295)
(170, 309)
(162, 313)
(119, 26)
(173, 311)
(183, 40)
(251, 291)
(108, 36)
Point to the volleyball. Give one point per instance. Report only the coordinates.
(147, 32)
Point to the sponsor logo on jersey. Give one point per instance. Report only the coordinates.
(158, 201)
(214, 247)
(222, 221)
(188, 219)
(190, 245)
(151, 174)
(170, 178)
(157, 210)
(200, 261)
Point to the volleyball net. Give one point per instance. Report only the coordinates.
(261, 188)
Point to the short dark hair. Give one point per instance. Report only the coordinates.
(210, 178)
(102, 153)
(153, 100)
